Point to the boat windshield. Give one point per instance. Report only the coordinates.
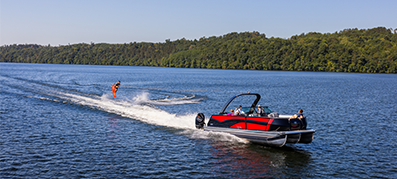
(266, 109)
(246, 109)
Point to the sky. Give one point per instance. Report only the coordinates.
(63, 22)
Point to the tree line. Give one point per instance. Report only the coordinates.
(349, 50)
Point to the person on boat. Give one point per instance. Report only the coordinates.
(298, 116)
(239, 111)
(260, 111)
(117, 85)
(231, 112)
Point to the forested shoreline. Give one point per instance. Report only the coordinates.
(350, 50)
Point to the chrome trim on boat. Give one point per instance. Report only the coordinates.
(274, 138)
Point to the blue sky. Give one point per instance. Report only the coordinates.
(62, 22)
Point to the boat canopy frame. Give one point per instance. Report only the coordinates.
(258, 97)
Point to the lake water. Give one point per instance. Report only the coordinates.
(61, 121)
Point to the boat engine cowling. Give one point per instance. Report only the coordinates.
(295, 124)
(200, 121)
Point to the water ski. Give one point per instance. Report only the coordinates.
(114, 90)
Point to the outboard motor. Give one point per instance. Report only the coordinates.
(295, 124)
(200, 121)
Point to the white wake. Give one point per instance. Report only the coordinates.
(138, 109)
(133, 109)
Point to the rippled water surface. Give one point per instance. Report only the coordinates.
(61, 121)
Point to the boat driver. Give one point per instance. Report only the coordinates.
(239, 111)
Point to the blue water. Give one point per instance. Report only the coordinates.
(61, 121)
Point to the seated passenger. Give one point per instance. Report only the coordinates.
(298, 116)
(231, 112)
(260, 111)
(239, 111)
